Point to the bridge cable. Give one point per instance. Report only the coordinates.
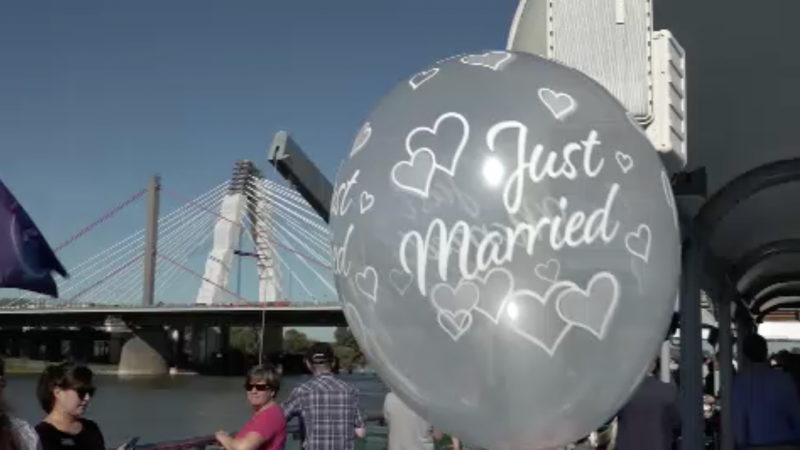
(277, 207)
(197, 275)
(130, 290)
(117, 252)
(278, 232)
(281, 260)
(134, 247)
(267, 189)
(106, 278)
(280, 244)
(272, 251)
(110, 213)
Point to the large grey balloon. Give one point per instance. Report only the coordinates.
(506, 248)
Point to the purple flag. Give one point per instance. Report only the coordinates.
(26, 259)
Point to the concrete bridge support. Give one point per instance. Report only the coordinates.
(146, 353)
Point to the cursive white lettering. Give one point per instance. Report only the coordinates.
(540, 165)
(497, 247)
(341, 266)
(341, 202)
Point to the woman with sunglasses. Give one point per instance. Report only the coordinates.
(64, 392)
(266, 430)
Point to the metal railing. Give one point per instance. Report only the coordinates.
(310, 304)
(376, 439)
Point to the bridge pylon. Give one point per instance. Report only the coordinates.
(245, 200)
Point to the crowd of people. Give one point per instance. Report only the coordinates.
(326, 406)
(765, 410)
(765, 405)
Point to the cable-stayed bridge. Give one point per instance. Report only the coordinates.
(251, 250)
(204, 248)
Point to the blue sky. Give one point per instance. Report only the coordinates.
(97, 95)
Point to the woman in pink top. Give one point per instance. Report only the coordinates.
(266, 430)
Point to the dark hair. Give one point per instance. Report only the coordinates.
(320, 354)
(65, 376)
(755, 348)
(8, 439)
(266, 374)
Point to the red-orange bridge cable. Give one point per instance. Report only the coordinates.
(107, 277)
(110, 213)
(197, 275)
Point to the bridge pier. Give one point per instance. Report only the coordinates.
(146, 353)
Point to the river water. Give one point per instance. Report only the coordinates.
(171, 408)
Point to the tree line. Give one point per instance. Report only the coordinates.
(245, 340)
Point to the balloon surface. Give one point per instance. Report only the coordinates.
(506, 249)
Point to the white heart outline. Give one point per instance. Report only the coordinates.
(483, 280)
(414, 153)
(624, 160)
(440, 286)
(586, 293)
(546, 265)
(449, 58)
(638, 235)
(373, 294)
(424, 76)
(452, 317)
(366, 201)
(670, 196)
(359, 143)
(435, 129)
(426, 188)
(496, 66)
(401, 289)
(544, 300)
(573, 105)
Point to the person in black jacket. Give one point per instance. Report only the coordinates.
(650, 419)
(64, 391)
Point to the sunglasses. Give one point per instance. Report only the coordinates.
(259, 387)
(84, 391)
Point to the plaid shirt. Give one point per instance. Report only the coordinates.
(328, 408)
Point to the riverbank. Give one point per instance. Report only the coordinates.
(22, 366)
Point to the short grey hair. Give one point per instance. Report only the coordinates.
(266, 374)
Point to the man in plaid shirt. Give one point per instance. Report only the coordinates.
(327, 406)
